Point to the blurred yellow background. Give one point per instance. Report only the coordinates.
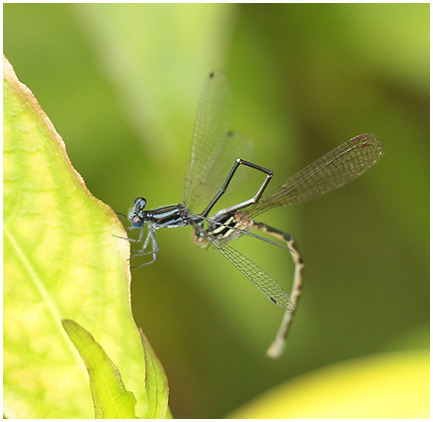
(121, 85)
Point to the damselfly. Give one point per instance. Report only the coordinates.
(208, 178)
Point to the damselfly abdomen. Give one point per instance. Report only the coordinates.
(215, 157)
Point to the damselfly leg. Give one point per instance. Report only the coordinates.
(254, 199)
(143, 251)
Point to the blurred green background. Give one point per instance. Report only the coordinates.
(121, 85)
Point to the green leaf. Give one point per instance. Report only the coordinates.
(156, 382)
(126, 36)
(110, 398)
(61, 261)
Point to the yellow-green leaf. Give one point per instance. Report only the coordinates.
(110, 398)
(389, 386)
(61, 260)
(156, 382)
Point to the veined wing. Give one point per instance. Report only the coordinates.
(234, 145)
(209, 136)
(333, 170)
(257, 275)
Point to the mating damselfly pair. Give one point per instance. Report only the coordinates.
(216, 155)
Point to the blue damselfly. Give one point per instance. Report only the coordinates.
(208, 178)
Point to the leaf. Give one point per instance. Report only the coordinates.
(156, 382)
(127, 36)
(61, 260)
(110, 398)
(393, 385)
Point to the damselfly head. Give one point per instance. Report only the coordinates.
(136, 215)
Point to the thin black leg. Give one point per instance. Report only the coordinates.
(253, 200)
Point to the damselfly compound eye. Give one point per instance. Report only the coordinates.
(137, 221)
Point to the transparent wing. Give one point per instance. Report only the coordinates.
(257, 275)
(213, 149)
(235, 145)
(211, 126)
(336, 168)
